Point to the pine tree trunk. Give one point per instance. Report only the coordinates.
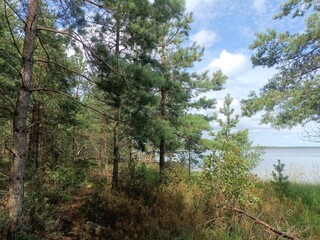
(162, 155)
(116, 149)
(162, 140)
(105, 144)
(163, 114)
(19, 136)
(34, 137)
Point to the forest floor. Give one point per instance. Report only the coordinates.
(181, 209)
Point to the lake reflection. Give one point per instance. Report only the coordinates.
(302, 164)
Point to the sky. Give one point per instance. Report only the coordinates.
(226, 28)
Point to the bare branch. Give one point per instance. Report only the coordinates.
(100, 5)
(72, 98)
(6, 99)
(264, 224)
(66, 68)
(10, 29)
(2, 174)
(78, 38)
(13, 10)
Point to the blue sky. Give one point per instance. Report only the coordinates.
(226, 28)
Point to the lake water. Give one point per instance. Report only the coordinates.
(302, 164)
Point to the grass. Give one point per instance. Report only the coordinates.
(308, 193)
(177, 208)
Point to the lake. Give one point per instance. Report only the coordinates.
(302, 164)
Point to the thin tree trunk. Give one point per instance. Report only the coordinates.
(19, 136)
(116, 149)
(130, 158)
(163, 114)
(105, 145)
(189, 164)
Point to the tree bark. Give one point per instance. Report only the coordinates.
(116, 149)
(163, 114)
(34, 137)
(19, 136)
(105, 143)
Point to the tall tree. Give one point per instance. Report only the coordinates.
(123, 45)
(178, 84)
(291, 97)
(23, 46)
(19, 120)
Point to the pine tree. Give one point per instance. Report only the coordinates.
(291, 97)
(178, 86)
(26, 46)
(123, 45)
(232, 155)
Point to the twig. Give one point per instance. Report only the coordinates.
(11, 30)
(70, 97)
(65, 68)
(6, 176)
(78, 38)
(109, 9)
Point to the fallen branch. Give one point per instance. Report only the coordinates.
(95, 228)
(264, 224)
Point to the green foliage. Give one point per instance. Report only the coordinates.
(131, 72)
(291, 96)
(146, 175)
(280, 181)
(191, 127)
(309, 194)
(26, 236)
(232, 157)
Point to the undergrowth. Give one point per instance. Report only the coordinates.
(178, 207)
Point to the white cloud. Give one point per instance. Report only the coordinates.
(259, 5)
(191, 5)
(204, 38)
(231, 64)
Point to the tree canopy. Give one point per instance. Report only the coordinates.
(291, 97)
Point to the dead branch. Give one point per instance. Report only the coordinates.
(11, 30)
(66, 68)
(72, 98)
(95, 226)
(264, 224)
(100, 5)
(78, 38)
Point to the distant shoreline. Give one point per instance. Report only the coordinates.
(283, 147)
